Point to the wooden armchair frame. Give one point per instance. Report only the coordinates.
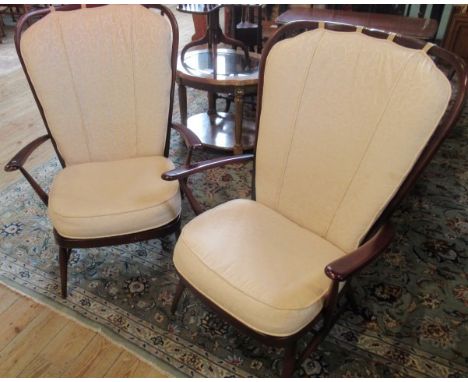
(379, 235)
(19, 160)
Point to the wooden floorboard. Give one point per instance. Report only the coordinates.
(37, 342)
(60, 354)
(27, 345)
(128, 366)
(95, 359)
(20, 123)
(7, 298)
(16, 318)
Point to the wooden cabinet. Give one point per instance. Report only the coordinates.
(456, 37)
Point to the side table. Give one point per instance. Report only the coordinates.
(231, 74)
(424, 29)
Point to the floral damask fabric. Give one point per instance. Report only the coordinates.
(413, 301)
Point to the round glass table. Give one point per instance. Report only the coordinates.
(226, 72)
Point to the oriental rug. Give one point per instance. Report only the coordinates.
(414, 298)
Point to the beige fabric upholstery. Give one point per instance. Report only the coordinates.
(255, 264)
(103, 77)
(342, 124)
(112, 198)
(344, 118)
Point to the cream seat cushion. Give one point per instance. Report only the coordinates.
(102, 199)
(260, 267)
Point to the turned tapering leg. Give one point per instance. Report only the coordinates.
(183, 104)
(64, 256)
(239, 116)
(289, 360)
(212, 103)
(180, 289)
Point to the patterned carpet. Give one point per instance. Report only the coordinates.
(414, 298)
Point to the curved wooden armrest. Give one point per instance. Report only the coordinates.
(341, 269)
(182, 173)
(185, 171)
(18, 161)
(190, 138)
(21, 157)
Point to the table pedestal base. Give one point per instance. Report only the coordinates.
(217, 131)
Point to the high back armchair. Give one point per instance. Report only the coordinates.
(103, 79)
(347, 120)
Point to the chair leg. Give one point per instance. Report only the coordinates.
(289, 360)
(180, 289)
(228, 105)
(64, 256)
(352, 299)
(329, 321)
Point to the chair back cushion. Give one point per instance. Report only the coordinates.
(344, 118)
(103, 77)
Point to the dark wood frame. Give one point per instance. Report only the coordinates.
(379, 235)
(18, 161)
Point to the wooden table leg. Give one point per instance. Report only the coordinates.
(211, 103)
(183, 104)
(239, 102)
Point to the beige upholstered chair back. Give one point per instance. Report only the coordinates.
(103, 78)
(344, 118)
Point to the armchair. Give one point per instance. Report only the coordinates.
(103, 79)
(344, 130)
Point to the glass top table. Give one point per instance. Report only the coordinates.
(229, 72)
(227, 65)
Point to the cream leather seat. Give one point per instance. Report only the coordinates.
(102, 199)
(340, 129)
(260, 267)
(103, 78)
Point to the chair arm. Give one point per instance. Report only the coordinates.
(185, 171)
(18, 161)
(190, 138)
(341, 269)
(20, 158)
